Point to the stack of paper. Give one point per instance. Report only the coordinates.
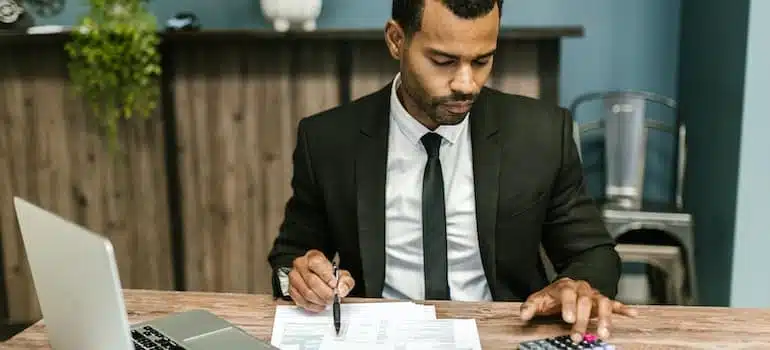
(372, 326)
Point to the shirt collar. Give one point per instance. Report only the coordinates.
(413, 129)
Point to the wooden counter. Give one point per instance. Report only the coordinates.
(660, 327)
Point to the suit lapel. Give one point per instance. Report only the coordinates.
(371, 172)
(486, 168)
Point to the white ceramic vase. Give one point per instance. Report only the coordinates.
(284, 13)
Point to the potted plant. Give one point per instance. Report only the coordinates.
(114, 62)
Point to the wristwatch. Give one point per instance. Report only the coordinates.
(281, 283)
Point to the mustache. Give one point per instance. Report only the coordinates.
(455, 98)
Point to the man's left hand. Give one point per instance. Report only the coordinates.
(578, 302)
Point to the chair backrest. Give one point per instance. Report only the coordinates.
(626, 124)
(576, 138)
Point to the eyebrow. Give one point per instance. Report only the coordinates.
(452, 56)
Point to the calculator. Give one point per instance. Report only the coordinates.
(564, 342)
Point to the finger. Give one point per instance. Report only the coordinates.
(302, 302)
(530, 306)
(346, 283)
(319, 265)
(568, 297)
(317, 276)
(583, 315)
(297, 280)
(321, 292)
(605, 317)
(297, 297)
(623, 309)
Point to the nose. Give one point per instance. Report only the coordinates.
(462, 82)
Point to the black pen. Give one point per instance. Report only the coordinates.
(336, 304)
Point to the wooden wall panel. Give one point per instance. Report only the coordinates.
(372, 67)
(236, 115)
(52, 155)
(516, 68)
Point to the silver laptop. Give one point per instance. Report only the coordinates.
(81, 300)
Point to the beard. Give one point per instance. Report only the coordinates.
(441, 110)
(442, 113)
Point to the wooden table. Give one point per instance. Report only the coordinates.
(656, 327)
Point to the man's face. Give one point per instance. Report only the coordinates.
(445, 64)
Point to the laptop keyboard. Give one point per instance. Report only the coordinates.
(148, 338)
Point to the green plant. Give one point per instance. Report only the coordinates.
(114, 62)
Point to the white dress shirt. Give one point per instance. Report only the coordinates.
(404, 278)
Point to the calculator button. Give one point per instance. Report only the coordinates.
(589, 342)
(537, 345)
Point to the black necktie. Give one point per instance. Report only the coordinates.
(434, 223)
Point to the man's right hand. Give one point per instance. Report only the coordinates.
(312, 282)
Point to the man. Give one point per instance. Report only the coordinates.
(436, 187)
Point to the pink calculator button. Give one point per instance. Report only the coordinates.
(589, 337)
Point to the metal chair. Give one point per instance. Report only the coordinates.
(626, 126)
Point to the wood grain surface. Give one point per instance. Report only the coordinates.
(53, 155)
(236, 117)
(499, 326)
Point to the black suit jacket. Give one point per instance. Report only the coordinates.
(529, 190)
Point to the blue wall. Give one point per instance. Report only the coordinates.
(231, 14)
(749, 288)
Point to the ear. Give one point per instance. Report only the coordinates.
(395, 38)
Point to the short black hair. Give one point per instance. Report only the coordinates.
(408, 13)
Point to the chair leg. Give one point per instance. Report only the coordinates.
(692, 285)
(658, 282)
(679, 283)
(689, 270)
(666, 278)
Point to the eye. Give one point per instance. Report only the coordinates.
(442, 62)
(481, 62)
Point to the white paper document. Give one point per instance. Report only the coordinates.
(297, 329)
(373, 326)
(443, 334)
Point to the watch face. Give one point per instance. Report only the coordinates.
(9, 11)
(283, 279)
